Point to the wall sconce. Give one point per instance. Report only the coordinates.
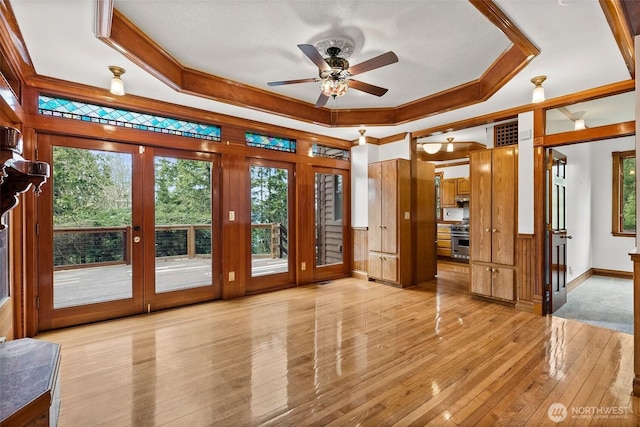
(117, 85)
(362, 140)
(538, 91)
(450, 145)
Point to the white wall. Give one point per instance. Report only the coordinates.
(608, 252)
(359, 182)
(589, 198)
(525, 173)
(578, 208)
(361, 156)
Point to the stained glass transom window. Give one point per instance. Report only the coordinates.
(330, 152)
(60, 107)
(270, 142)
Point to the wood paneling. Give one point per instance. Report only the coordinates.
(360, 248)
(525, 264)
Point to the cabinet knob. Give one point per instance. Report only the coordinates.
(487, 230)
(495, 230)
(494, 270)
(488, 268)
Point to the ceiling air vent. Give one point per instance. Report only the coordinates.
(505, 134)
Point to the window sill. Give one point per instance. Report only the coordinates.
(618, 234)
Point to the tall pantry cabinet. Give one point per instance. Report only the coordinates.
(493, 228)
(402, 223)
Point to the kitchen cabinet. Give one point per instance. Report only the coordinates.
(463, 186)
(444, 240)
(402, 223)
(448, 193)
(493, 227)
(453, 188)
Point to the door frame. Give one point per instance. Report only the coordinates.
(330, 271)
(276, 281)
(157, 301)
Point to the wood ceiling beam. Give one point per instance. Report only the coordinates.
(618, 20)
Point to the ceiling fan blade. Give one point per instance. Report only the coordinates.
(366, 87)
(373, 63)
(315, 56)
(290, 82)
(322, 100)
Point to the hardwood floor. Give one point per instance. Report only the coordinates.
(346, 353)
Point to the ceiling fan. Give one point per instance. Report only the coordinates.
(334, 73)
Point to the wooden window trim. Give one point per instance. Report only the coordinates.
(616, 192)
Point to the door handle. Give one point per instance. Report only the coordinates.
(136, 239)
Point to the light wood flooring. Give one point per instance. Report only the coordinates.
(346, 353)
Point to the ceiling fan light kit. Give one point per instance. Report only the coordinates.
(334, 71)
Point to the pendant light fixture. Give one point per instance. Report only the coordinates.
(538, 90)
(117, 85)
(450, 145)
(362, 140)
(579, 124)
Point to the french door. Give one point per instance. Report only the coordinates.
(272, 233)
(124, 229)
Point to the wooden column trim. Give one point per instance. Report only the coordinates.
(635, 258)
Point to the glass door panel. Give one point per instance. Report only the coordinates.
(332, 242)
(271, 234)
(183, 233)
(269, 220)
(329, 214)
(92, 208)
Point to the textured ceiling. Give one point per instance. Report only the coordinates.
(254, 42)
(439, 44)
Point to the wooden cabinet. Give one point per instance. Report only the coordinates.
(493, 222)
(463, 186)
(402, 224)
(451, 188)
(448, 193)
(444, 240)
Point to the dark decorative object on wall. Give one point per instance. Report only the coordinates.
(17, 175)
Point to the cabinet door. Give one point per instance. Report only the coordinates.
(481, 279)
(463, 186)
(480, 205)
(390, 268)
(503, 283)
(448, 194)
(374, 269)
(503, 205)
(375, 207)
(389, 206)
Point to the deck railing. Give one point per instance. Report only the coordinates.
(92, 246)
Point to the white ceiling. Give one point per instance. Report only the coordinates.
(440, 44)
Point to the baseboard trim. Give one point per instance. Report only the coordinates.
(359, 274)
(525, 306)
(578, 280)
(613, 273)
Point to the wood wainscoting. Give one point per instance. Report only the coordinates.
(359, 237)
(526, 271)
